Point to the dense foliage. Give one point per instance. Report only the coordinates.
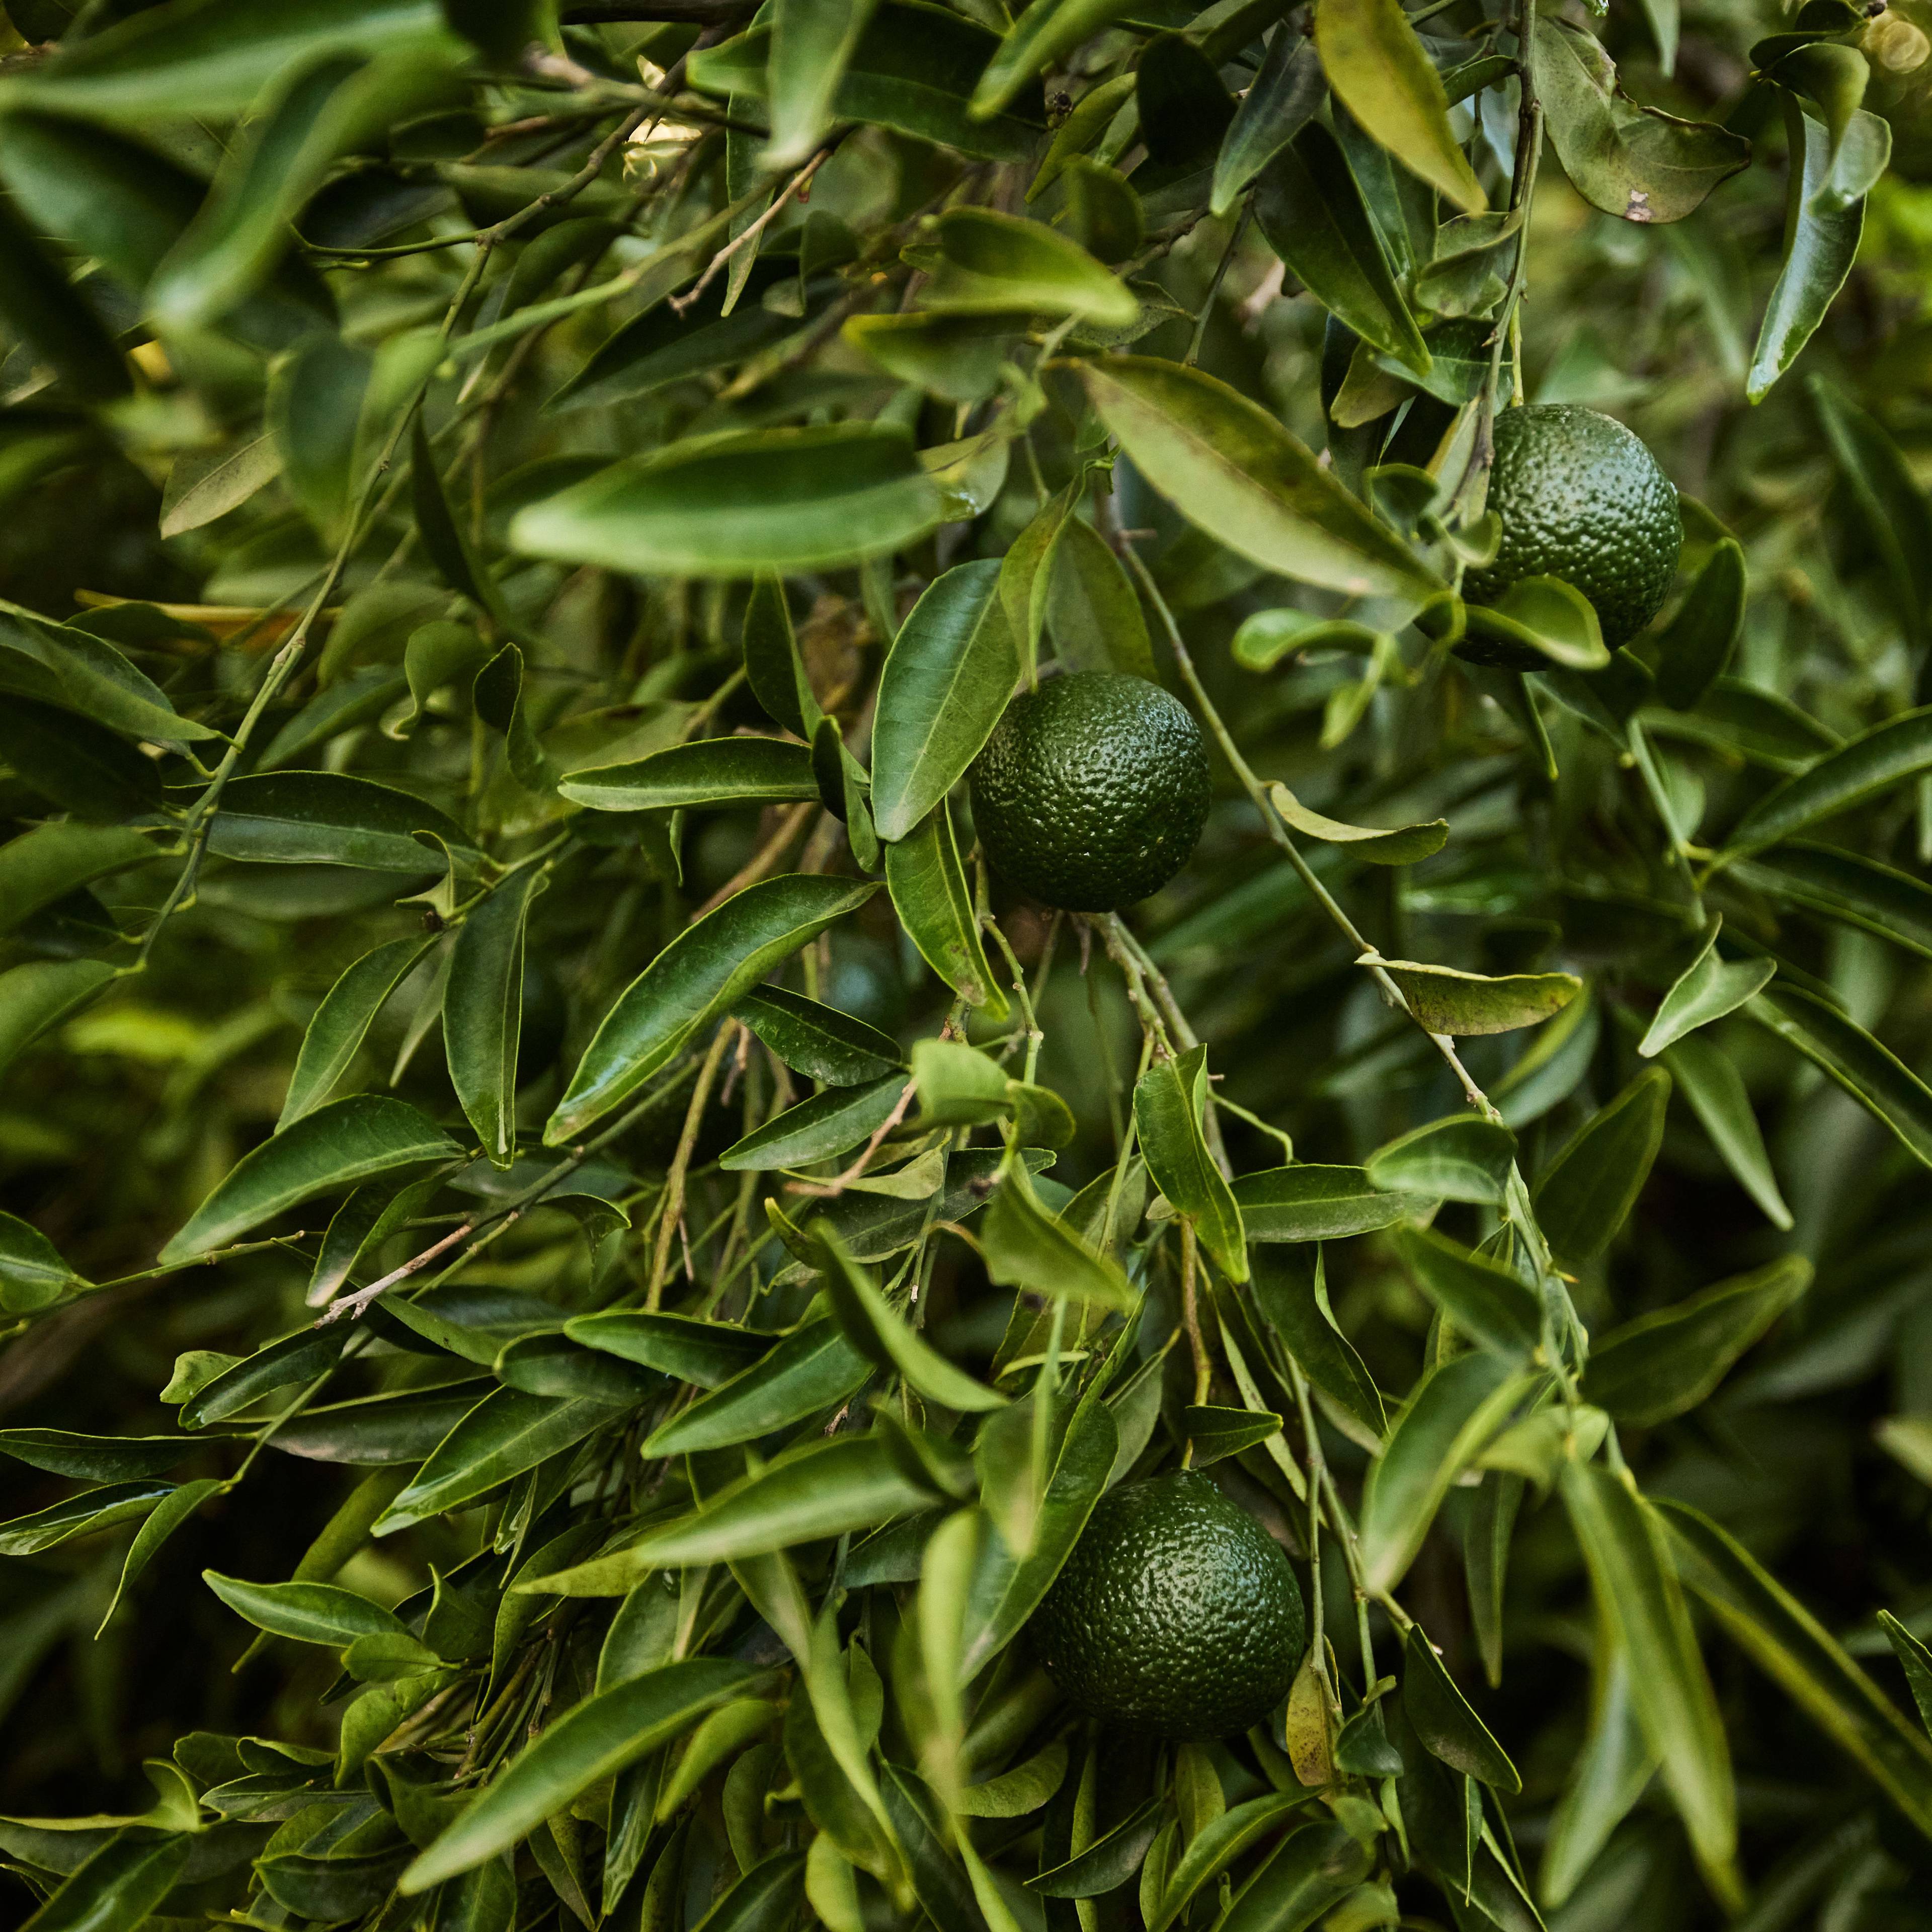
(578, 1259)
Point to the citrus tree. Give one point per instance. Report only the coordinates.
(964, 967)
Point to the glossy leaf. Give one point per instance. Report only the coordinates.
(1092, 607)
(813, 1368)
(483, 1012)
(1230, 468)
(741, 502)
(713, 772)
(308, 1612)
(928, 889)
(697, 976)
(1864, 769)
(1440, 1716)
(1284, 96)
(1846, 886)
(1875, 1077)
(1545, 616)
(1293, 1298)
(329, 818)
(1706, 990)
(1313, 1869)
(707, 1353)
(1394, 845)
(52, 860)
(335, 1147)
(1026, 1247)
(1487, 1302)
(1168, 1101)
(1309, 1202)
(952, 667)
(335, 1034)
(1044, 30)
(1382, 74)
(817, 1040)
(1462, 1158)
(1670, 1360)
(991, 264)
(822, 1128)
(811, 42)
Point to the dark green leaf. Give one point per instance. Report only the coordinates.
(1307, 1202)
(713, 772)
(483, 1011)
(1486, 1301)
(812, 1369)
(308, 1613)
(708, 1353)
(1440, 1716)
(817, 1040)
(1313, 1869)
(929, 893)
(1716, 1091)
(1864, 769)
(335, 1034)
(1109, 1862)
(80, 1515)
(1694, 649)
(329, 818)
(827, 1125)
(1463, 1158)
(1586, 1193)
(1168, 1101)
(32, 1274)
(1285, 94)
(1876, 1078)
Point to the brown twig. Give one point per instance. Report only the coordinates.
(824, 1191)
(671, 1217)
(751, 231)
(761, 861)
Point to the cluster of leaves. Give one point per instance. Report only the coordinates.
(661, 1251)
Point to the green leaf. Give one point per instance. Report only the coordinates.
(1109, 1862)
(1547, 617)
(1637, 1589)
(1801, 1657)
(1915, 1660)
(1284, 96)
(1044, 31)
(42, 307)
(812, 40)
(882, 1335)
(1845, 887)
(817, 1040)
(1312, 1869)
(52, 860)
(1695, 647)
(379, 1430)
(1440, 1716)
(952, 667)
(1232, 470)
(1857, 146)
(483, 1012)
(157, 1526)
(1103, 212)
(681, 1346)
(80, 765)
(1292, 1295)
(1169, 1100)
(120, 1885)
(1216, 1433)
(33, 1273)
(1876, 1077)
(741, 502)
(1395, 845)
(1215, 1847)
(1819, 248)
(59, 665)
(335, 1033)
(714, 772)
(1706, 990)
(1628, 161)
(35, 997)
(1025, 1247)
(772, 665)
(298, 1357)
(200, 489)
(1455, 1409)
(597, 1739)
(929, 893)
(1708, 1080)
(812, 1369)
(1670, 1361)
(92, 1509)
(697, 976)
(335, 1147)
(955, 357)
(503, 1436)
(1863, 768)
(1446, 1000)
(988, 263)
(1586, 1193)
(1896, 519)
(1610, 1773)
(1486, 1301)
(1092, 608)
(1380, 73)
(308, 1612)
(329, 818)
(1017, 1792)
(93, 1459)
(1314, 217)
(1462, 1158)
(1308, 1202)
(825, 1126)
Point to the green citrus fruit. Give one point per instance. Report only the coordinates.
(1580, 497)
(1092, 791)
(1177, 1613)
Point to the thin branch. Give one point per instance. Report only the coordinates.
(671, 1216)
(751, 231)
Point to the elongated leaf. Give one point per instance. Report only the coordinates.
(1446, 1000)
(812, 1369)
(335, 1147)
(1307, 1202)
(772, 665)
(1230, 468)
(81, 1515)
(1314, 217)
(713, 772)
(1669, 1361)
(994, 264)
(1463, 1158)
(382, 1430)
(483, 1012)
(1313, 1869)
(308, 1612)
(1706, 990)
(1109, 1862)
(1819, 248)
(1876, 1078)
(1027, 1248)
(1914, 1660)
(1867, 767)
(1382, 74)
(1215, 1848)
(1543, 615)
(599, 1738)
(1167, 1102)
(120, 1885)
(693, 979)
(43, 307)
(952, 667)
(1844, 885)
(1897, 519)
(1092, 608)
(329, 818)
(743, 502)
(880, 1333)
(1284, 96)
(811, 42)
(1455, 1409)
(1610, 1776)
(335, 1034)
(1486, 1301)
(928, 889)
(1396, 845)
(503, 1435)
(1587, 1193)
(59, 665)
(707, 1353)
(827, 1125)
(1795, 1648)
(818, 1041)
(53, 860)
(1716, 1092)
(93, 1459)
(1636, 1586)
(1628, 161)
(1293, 1298)
(1045, 30)
(37, 995)
(1440, 1716)
(1695, 647)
